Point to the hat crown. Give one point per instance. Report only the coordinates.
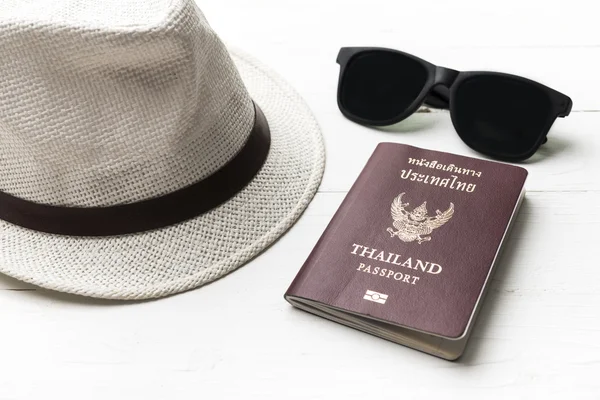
(106, 102)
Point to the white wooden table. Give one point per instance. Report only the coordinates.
(538, 335)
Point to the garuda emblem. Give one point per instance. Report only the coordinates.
(416, 224)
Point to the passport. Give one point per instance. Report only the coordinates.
(411, 250)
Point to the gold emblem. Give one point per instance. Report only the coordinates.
(415, 225)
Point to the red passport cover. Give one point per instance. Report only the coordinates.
(414, 240)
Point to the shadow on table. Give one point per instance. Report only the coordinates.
(10, 284)
(418, 121)
(475, 350)
(14, 285)
(422, 120)
(553, 147)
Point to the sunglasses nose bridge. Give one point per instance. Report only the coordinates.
(445, 76)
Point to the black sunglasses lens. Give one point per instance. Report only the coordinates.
(377, 85)
(501, 116)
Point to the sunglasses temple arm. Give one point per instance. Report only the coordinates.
(567, 104)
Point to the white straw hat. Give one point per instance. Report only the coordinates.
(135, 161)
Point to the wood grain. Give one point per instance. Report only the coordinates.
(238, 337)
(537, 335)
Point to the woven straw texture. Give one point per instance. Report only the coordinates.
(94, 113)
(152, 124)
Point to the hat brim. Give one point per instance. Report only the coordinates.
(195, 252)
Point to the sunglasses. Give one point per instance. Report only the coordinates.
(504, 116)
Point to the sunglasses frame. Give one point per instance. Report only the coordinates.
(439, 91)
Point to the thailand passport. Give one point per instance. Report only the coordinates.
(411, 250)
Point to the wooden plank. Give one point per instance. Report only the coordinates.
(302, 43)
(237, 338)
(301, 39)
(432, 23)
(311, 68)
(568, 162)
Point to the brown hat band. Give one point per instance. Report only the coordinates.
(154, 213)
